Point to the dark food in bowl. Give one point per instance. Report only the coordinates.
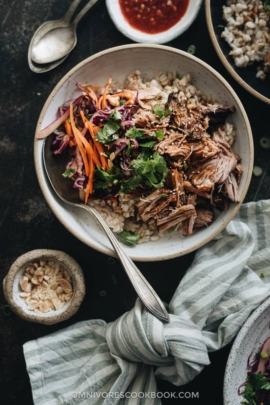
(150, 157)
(257, 387)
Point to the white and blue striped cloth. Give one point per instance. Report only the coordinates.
(95, 363)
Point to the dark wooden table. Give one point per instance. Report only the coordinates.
(26, 222)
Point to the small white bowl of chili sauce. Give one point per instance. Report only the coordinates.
(153, 21)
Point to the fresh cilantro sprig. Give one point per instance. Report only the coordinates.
(143, 138)
(115, 116)
(149, 169)
(159, 134)
(148, 144)
(108, 133)
(129, 238)
(135, 133)
(160, 112)
(69, 172)
(106, 180)
(255, 383)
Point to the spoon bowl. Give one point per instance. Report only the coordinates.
(54, 167)
(39, 68)
(56, 43)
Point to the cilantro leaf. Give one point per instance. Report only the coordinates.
(255, 383)
(135, 133)
(107, 134)
(159, 134)
(150, 169)
(160, 112)
(115, 116)
(129, 238)
(148, 144)
(105, 180)
(131, 184)
(69, 172)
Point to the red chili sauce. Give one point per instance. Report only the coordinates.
(153, 16)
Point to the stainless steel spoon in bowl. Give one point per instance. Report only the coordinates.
(54, 166)
(54, 40)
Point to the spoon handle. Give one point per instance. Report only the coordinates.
(83, 11)
(67, 17)
(144, 290)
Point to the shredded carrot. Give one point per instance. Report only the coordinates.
(88, 155)
(71, 143)
(104, 103)
(79, 142)
(92, 94)
(88, 148)
(99, 103)
(68, 127)
(89, 186)
(90, 151)
(99, 147)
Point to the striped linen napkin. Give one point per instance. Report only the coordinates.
(93, 362)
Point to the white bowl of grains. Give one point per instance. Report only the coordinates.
(171, 139)
(44, 286)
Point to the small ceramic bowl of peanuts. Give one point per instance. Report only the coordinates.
(44, 286)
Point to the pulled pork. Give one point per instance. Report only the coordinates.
(204, 170)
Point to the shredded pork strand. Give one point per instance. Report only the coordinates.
(200, 171)
(202, 164)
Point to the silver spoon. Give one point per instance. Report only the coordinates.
(41, 31)
(54, 167)
(54, 40)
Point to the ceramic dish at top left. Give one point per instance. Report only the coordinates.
(118, 63)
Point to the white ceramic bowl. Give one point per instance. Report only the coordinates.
(246, 77)
(161, 38)
(117, 63)
(250, 339)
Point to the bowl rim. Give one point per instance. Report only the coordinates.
(94, 244)
(168, 35)
(224, 60)
(238, 341)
